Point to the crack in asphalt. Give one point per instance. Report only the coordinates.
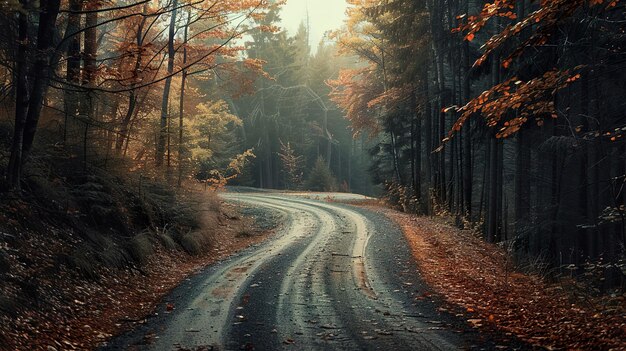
(334, 277)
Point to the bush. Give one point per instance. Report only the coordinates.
(196, 242)
(141, 247)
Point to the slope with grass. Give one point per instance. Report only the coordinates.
(86, 254)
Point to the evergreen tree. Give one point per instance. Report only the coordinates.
(321, 178)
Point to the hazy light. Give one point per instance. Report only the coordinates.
(324, 15)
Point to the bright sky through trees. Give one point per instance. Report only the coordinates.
(324, 15)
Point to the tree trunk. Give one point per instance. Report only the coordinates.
(161, 143)
(89, 58)
(14, 170)
(396, 163)
(73, 64)
(443, 101)
(492, 198)
(90, 43)
(416, 149)
(42, 70)
(522, 181)
(329, 144)
(132, 95)
(494, 212)
(467, 132)
(428, 144)
(181, 107)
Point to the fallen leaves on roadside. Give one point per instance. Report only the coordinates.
(478, 277)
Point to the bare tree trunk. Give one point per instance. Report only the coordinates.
(492, 202)
(329, 144)
(90, 55)
(522, 165)
(442, 126)
(132, 96)
(495, 165)
(428, 144)
(522, 181)
(416, 150)
(14, 170)
(396, 163)
(467, 131)
(181, 107)
(418, 159)
(41, 69)
(169, 139)
(73, 64)
(161, 143)
(90, 42)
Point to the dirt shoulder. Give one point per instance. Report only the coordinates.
(68, 311)
(477, 279)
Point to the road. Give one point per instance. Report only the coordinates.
(333, 277)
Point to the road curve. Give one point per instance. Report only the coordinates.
(334, 277)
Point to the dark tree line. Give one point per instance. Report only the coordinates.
(507, 116)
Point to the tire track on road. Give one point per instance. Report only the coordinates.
(318, 284)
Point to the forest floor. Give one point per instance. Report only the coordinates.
(67, 311)
(479, 282)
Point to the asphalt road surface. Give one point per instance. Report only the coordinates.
(333, 277)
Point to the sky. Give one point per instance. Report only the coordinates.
(324, 15)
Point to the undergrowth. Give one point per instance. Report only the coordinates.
(593, 278)
(97, 219)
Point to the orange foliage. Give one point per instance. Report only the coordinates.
(530, 99)
(354, 91)
(523, 101)
(547, 17)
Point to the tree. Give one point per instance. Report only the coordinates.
(292, 165)
(29, 100)
(212, 142)
(171, 52)
(445, 85)
(320, 177)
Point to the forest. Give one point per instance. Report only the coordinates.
(507, 116)
(504, 117)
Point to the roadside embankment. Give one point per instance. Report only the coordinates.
(88, 259)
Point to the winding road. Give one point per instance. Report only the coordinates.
(333, 277)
